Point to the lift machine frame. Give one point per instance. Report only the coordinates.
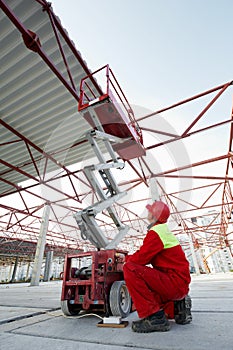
(93, 280)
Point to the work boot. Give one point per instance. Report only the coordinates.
(182, 310)
(153, 323)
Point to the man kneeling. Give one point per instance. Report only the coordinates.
(161, 291)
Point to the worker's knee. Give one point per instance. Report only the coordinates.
(128, 272)
(129, 269)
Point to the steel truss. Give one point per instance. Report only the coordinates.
(23, 224)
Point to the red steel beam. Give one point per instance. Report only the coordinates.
(176, 138)
(55, 22)
(33, 43)
(206, 108)
(184, 101)
(227, 197)
(46, 155)
(192, 165)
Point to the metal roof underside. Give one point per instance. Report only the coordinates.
(40, 128)
(34, 102)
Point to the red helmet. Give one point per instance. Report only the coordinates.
(159, 210)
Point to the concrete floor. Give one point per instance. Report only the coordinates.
(30, 318)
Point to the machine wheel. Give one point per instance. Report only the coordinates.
(119, 299)
(69, 309)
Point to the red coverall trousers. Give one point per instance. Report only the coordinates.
(152, 290)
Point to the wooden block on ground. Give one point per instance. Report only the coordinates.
(123, 324)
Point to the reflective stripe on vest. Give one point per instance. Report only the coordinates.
(166, 236)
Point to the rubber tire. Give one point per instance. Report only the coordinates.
(119, 299)
(69, 309)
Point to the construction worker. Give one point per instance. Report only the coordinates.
(157, 276)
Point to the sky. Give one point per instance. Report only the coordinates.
(161, 51)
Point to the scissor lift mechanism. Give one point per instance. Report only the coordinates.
(100, 286)
(86, 218)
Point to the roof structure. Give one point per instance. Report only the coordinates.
(42, 157)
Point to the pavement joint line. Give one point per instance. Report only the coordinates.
(210, 298)
(25, 306)
(30, 315)
(14, 326)
(123, 345)
(213, 311)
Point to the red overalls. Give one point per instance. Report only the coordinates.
(153, 288)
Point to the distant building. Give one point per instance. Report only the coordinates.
(215, 258)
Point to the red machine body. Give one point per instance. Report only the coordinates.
(93, 281)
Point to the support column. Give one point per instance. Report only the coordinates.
(48, 265)
(15, 269)
(40, 247)
(9, 273)
(195, 263)
(27, 273)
